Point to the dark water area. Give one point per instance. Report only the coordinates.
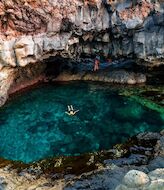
(34, 125)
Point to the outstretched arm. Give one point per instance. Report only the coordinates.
(76, 111)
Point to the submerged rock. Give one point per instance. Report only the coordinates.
(149, 136)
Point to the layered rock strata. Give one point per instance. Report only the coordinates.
(31, 31)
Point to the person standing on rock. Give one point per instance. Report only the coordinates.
(96, 63)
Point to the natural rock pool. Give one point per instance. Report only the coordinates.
(34, 125)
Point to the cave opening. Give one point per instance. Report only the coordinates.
(55, 65)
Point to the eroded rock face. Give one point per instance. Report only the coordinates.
(31, 31)
(7, 76)
(34, 30)
(15, 79)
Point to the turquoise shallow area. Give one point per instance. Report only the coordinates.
(34, 125)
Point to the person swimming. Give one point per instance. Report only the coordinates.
(71, 111)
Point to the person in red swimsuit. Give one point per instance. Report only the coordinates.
(97, 63)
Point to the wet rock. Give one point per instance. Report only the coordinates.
(105, 179)
(133, 159)
(148, 136)
(159, 149)
(127, 77)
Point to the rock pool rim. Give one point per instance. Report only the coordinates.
(88, 162)
(49, 82)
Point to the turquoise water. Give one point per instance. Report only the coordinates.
(34, 125)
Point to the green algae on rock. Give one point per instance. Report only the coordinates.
(76, 172)
(87, 162)
(149, 96)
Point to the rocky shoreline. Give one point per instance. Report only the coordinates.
(138, 163)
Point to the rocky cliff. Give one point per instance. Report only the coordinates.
(32, 30)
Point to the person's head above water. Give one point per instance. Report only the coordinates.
(71, 112)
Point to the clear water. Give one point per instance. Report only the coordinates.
(34, 125)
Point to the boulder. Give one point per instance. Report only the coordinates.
(136, 179)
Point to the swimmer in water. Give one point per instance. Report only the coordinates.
(71, 111)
